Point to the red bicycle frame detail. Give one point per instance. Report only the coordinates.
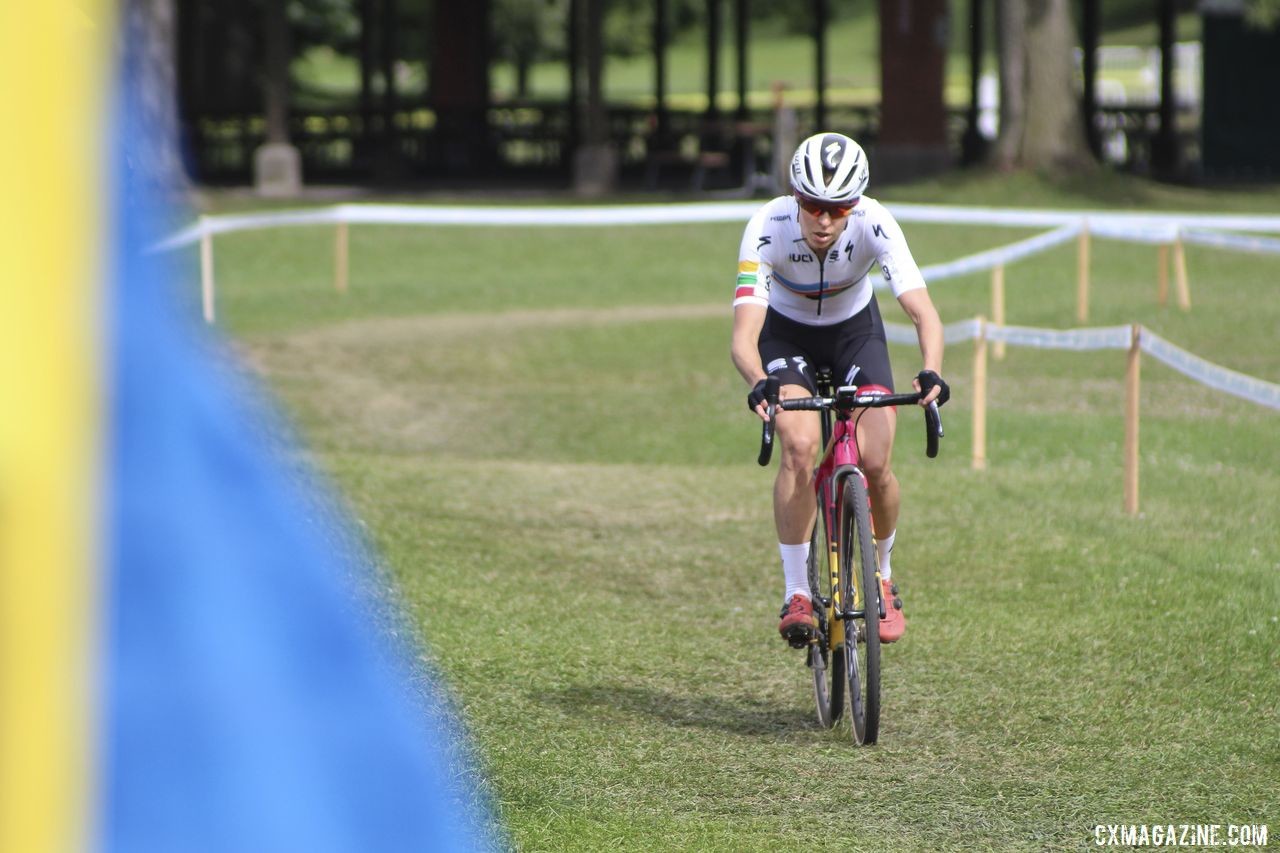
(839, 460)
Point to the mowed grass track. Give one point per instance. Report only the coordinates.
(545, 440)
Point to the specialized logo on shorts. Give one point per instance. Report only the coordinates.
(853, 372)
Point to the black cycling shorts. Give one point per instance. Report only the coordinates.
(854, 350)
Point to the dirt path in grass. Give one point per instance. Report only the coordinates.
(392, 329)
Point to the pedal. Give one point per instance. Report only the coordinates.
(799, 637)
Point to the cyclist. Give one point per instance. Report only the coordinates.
(804, 300)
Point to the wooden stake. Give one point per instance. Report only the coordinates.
(206, 273)
(340, 258)
(1180, 274)
(1162, 275)
(980, 397)
(997, 306)
(1082, 274)
(1132, 387)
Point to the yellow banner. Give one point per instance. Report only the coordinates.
(55, 64)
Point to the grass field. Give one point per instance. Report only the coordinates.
(542, 434)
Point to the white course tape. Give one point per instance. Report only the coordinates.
(1150, 232)
(1107, 337)
(992, 257)
(675, 214)
(1030, 218)
(1243, 243)
(1002, 254)
(1207, 373)
(1111, 337)
(965, 330)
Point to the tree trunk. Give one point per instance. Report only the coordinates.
(594, 162)
(1011, 18)
(1041, 126)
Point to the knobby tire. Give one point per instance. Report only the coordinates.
(858, 577)
(826, 662)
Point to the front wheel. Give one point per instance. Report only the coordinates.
(862, 629)
(826, 653)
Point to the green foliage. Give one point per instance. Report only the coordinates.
(1263, 14)
(331, 23)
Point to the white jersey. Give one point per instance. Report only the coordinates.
(776, 268)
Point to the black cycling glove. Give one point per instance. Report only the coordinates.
(756, 397)
(928, 379)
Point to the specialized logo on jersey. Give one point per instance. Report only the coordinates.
(764, 241)
(878, 231)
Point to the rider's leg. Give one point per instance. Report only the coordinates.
(875, 448)
(794, 508)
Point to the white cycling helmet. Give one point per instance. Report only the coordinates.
(829, 167)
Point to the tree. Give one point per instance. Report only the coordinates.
(1263, 14)
(1041, 122)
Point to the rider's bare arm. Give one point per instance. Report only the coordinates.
(748, 320)
(919, 307)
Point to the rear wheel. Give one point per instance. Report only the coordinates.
(862, 633)
(826, 655)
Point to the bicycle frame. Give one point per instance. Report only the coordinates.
(839, 460)
(844, 508)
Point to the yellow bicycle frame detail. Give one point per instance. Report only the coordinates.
(835, 625)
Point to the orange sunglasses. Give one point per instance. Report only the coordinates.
(816, 208)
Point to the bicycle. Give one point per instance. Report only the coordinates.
(846, 647)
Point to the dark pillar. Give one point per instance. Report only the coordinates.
(275, 88)
(595, 163)
(1164, 153)
(741, 25)
(1089, 36)
(662, 129)
(974, 146)
(713, 59)
(574, 68)
(277, 166)
(387, 59)
(459, 76)
(820, 65)
(367, 53)
(913, 113)
(596, 128)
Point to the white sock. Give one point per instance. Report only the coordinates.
(884, 547)
(795, 569)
